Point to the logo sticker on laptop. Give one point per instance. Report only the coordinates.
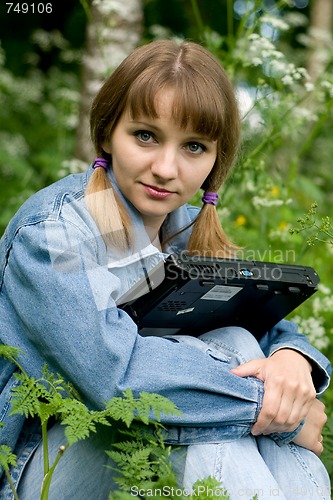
(221, 292)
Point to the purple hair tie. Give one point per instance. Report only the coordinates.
(210, 198)
(101, 162)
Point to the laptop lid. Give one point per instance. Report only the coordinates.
(199, 294)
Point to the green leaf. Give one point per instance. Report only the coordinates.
(143, 408)
(7, 458)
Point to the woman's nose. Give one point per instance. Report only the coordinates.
(165, 163)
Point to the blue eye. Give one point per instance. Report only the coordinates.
(196, 148)
(144, 135)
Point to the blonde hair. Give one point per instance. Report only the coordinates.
(204, 100)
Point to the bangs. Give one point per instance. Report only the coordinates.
(198, 104)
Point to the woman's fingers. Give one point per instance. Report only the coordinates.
(310, 436)
(288, 390)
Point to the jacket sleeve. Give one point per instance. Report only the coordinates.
(285, 335)
(50, 311)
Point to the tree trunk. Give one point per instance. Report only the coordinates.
(114, 29)
(321, 22)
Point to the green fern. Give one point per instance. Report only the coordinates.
(141, 458)
(11, 353)
(7, 460)
(79, 421)
(209, 488)
(144, 408)
(34, 398)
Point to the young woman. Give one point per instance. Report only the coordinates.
(165, 125)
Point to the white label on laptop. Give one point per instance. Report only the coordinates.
(221, 292)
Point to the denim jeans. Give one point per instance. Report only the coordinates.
(250, 465)
(245, 466)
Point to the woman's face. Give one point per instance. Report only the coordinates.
(158, 165)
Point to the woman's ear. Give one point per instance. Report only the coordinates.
(106, 146)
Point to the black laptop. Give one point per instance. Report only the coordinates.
(198, 294)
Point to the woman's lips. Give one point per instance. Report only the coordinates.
(156, 192)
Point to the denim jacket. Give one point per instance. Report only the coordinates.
(59, 291)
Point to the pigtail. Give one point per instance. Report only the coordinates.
(108, 211)
(208, 238)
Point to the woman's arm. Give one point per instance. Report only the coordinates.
(58, 306)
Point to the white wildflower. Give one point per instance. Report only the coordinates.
(223, 213)
(297, 75)
(291, 68)
(287, 80)
(67, 94)
(70, 55)
(256, 61)
(250, 186)
(104, 6)
(303, 73)
(259, 202)
(321, 35)
(14, 145)
(71, 122)
(304, 39)
(266, 54)
(313, 328)
(295, 19)
(261, 43)
(46, 40)
(309, 87)
(253, 37)
(50, 112)
(324, 289)
(328, 86)
(72, 166)
(322, 304)
(108, 7)
(281, 234)
(245, 100)
(275, 22)
(278, 66)
(267, 44)
(159, 32)
(305, 115)
(41, 38)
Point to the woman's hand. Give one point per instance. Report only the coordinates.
(310, 436)
(288, 390)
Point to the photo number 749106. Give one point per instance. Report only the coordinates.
(29, 8)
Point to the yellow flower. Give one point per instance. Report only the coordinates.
(282, 226)
(274, 191)
(240, 220)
